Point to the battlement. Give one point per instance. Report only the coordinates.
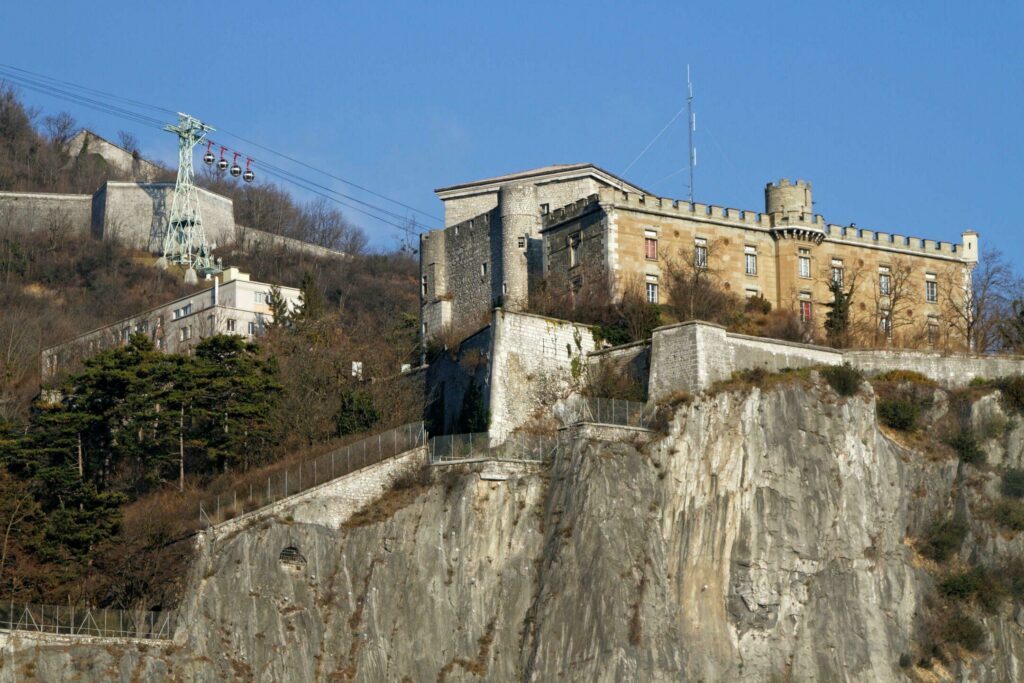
(744, 219)
(785, 182)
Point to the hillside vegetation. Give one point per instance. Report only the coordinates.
(100, 479)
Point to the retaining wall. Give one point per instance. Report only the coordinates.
(32, 211)
(534, 361)
(333, 503)
(692, 356)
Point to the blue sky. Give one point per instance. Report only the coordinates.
(906, 116)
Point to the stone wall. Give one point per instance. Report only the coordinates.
(332, 504)
(34, 211)
(694, 355)
(633, 360)
(534, 362)
(136, 214)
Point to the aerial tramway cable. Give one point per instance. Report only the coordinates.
(101, 101)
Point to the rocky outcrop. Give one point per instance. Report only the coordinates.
(761, 536)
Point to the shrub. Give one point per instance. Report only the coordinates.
(899, 376)
(978, 382)
(966, 447)
(898, 413)
(844, 379)
(1013, 483)
(964, 630)
(1013, 391)
(758, 304)
(965, 584)
(943, 539)
(1009, 513)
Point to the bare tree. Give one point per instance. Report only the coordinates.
(60, 128)
(128, 141)
(975, 305)
(695, 289)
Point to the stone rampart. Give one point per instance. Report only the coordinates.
(333, 503)
(535, 361)
(753, 219)
(39, 211)
(694, 355)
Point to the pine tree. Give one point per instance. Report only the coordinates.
(837, 320)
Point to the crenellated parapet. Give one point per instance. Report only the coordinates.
(802, 225)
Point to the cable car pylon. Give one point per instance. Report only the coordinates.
(184, 241)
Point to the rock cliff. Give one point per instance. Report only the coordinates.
(760, 536)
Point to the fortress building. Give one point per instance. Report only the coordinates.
(577, 224)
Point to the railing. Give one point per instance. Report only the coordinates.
(610, 411)
(79, 621)
(518, 448)
(306, 475)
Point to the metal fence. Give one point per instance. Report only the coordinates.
(518, 447)
(306, 475)
(79, 621)
(610, 411)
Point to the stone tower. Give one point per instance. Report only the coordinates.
(788, 201)
(520, 221)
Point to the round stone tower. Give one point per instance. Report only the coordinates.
(520, 220)
(788, 199)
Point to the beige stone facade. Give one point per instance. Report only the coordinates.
(618, 236)
(901, 285)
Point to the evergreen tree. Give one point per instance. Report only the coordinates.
(837, 320)
(312, 304)
(357, 413)
(282, 317)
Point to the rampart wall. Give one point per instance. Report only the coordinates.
(534, 362)
(692, 356)
(34, 211)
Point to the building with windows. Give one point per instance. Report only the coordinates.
(234, 304)
(504, 236)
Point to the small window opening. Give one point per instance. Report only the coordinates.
(291, 556)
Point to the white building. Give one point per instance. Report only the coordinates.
(233, 305)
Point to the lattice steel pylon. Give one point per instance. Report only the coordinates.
(185, 240)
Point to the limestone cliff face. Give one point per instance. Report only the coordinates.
(765, 536)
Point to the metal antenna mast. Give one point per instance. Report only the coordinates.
(693, 127)
(185, 240)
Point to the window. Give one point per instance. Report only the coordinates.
(522, 242)
(751, 262)
(423, 286)
(252, 329)
(576, 284)
(126, 333)
(752, 292)
(574, 249)
(545, 209)
(483, 269)
(187, 310)
(161, 344)
(885, 324)
(884, 281)
(652, 289)
(931, 288)
(700, 253)
(260, 297)
(837, 271)
(651, 245)
(184, 333)
(231, 324)
(177, 314)
(933, 330)
(804, 263)
(805, 311)
(160, 321)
